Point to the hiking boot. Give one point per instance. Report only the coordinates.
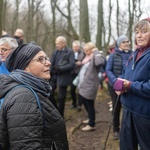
(116, 135)
(88, 128)
(85, 121)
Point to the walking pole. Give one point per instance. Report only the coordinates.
(104, 148)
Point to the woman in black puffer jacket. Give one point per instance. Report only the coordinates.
(27, 122)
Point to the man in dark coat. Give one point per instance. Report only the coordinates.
(62, 63)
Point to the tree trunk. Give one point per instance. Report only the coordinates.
(100, 25)
(84, 22)
(1, 17)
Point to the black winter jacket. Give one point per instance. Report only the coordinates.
(21, 121)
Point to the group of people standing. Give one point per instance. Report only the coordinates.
(66, 65)
(32, 118)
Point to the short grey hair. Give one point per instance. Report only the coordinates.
(62, 39)
(76, 42)
(11, 42)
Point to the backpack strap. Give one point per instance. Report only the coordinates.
(36, 97)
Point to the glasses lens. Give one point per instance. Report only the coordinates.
(3, 50)
(43, 59)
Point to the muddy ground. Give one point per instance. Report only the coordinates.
(93, 140)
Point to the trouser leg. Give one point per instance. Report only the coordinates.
(128, 139)
(89, 106)
(73, 95)
(52, 93)
(61, 99)
(80, 101)
(116, 111)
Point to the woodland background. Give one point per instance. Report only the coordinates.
(43, 20)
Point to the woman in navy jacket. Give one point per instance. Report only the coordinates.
(135, 89)
(114, 67)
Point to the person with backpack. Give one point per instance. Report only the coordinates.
(28, 120)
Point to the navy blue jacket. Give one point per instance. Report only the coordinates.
(137, 98)
(115, 64)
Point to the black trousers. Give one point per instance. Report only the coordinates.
(61, 93)
(116, 110)
(89, 106)
(76, 100)
(73, 91)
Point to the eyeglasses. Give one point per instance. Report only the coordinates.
(3, 50)
(125, 42)
(42, 59)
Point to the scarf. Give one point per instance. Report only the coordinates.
(37, 84)
(87, 59)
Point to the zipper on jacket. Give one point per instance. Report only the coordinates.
(137, 60)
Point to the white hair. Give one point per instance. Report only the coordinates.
(11, 42)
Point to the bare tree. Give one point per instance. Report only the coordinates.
(117, 17)
(1, 17)
(53, 7)
(100, 25)
(71, 33)
(84, 21)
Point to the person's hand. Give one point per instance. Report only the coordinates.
(94, 49)
(119, 92)
(126, 83)
(118, 85)
(57, 69)
(78, 63)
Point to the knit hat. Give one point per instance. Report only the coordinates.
(121, 39)
(21, 57)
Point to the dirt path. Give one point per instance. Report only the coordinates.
(93, 140)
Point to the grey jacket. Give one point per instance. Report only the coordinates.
(88, 88)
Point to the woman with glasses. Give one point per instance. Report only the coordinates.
(28, 120)
(114, 67)
(7, 45)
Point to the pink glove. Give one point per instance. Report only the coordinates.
(118, 85)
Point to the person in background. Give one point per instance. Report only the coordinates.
(5, 34)
(19, 36)
(134, 87)
(114, 67)
(7, 45)
(28, 120)
(110, 49)
(79, 55)
(62, 63)
(89, 82)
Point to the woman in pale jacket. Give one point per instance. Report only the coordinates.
(89, 82)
